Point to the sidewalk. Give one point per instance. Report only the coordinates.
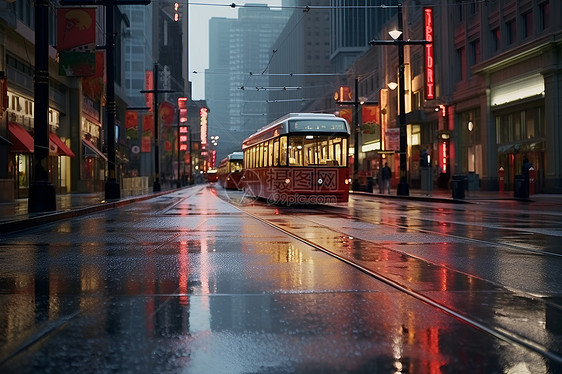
(14, 215)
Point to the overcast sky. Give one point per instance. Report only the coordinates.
(200, 12)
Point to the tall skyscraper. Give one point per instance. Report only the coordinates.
(240, 50)
(354, 24)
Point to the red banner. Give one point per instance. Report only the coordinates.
(92, 86)
(148, 125)
(166, 111)
(347, 114)
(148, 85)
(370, 114)
(132, 123)
(145, 144)
(167, 146)
(131, 119)
(76, 29)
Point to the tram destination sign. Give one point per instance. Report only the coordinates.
(317, 125)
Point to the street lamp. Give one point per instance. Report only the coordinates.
(357, 128)
(398, 40)
(155, 91)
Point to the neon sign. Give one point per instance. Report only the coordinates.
(203, 113)
(443, 156)
(429, 63)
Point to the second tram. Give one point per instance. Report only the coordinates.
(300, 158)
(230, 171)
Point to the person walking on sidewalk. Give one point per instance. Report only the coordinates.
(386, 174)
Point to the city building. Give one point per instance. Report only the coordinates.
(301, 67)
(495, 90)
(236, 85)
(353, 24)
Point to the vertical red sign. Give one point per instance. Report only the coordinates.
(148, 85)
(443, 156)
(429, 63)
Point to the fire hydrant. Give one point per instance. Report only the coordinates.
(501, 177)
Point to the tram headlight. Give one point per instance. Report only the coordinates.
(320, 181)
(287, 180)
(347, 180)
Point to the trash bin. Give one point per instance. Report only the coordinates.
(520, 187)
(426, 178)
(370, 184)
(457, 186)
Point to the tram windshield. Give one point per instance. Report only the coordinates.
(317, 150)
(235, 166)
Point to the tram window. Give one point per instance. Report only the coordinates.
(270, 153)
(344, 153)
(296, 150)
(276, 152)
(264, 154)
(283, 151)
(235, 166)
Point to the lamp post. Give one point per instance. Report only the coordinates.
(156, 183)
(398, 40)
(357, 129)
(112, 190)
(42, 195)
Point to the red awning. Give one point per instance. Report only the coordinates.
(91, 150)
(22, 141)
(62, 149)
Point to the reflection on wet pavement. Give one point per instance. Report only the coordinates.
(193, 285)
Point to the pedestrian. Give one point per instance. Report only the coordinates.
(386, 174)
(526, 166)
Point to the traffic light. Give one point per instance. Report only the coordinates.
(182, 108)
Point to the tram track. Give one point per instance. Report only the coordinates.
(503, 333)
(453, 236)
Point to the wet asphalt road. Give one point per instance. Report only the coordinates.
(188, 283)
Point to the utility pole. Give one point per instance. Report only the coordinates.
(403, 187)
(356, 130)
(155, 91)
(112, 190)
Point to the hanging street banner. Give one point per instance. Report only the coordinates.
(166, 111)
(148, 125)
(132, 123)
(392, 139)
(76, 41)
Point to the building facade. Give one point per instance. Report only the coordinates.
(301, 68)
(77, 115)
(496, 93)
(236, 85)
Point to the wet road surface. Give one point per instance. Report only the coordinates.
(188, 283)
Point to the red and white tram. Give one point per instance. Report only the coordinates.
(230, 171)
(300, 158)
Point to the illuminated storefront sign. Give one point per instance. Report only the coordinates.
(203, 113)
(429, 63)
(443, 156)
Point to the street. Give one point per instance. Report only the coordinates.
(203, 280)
